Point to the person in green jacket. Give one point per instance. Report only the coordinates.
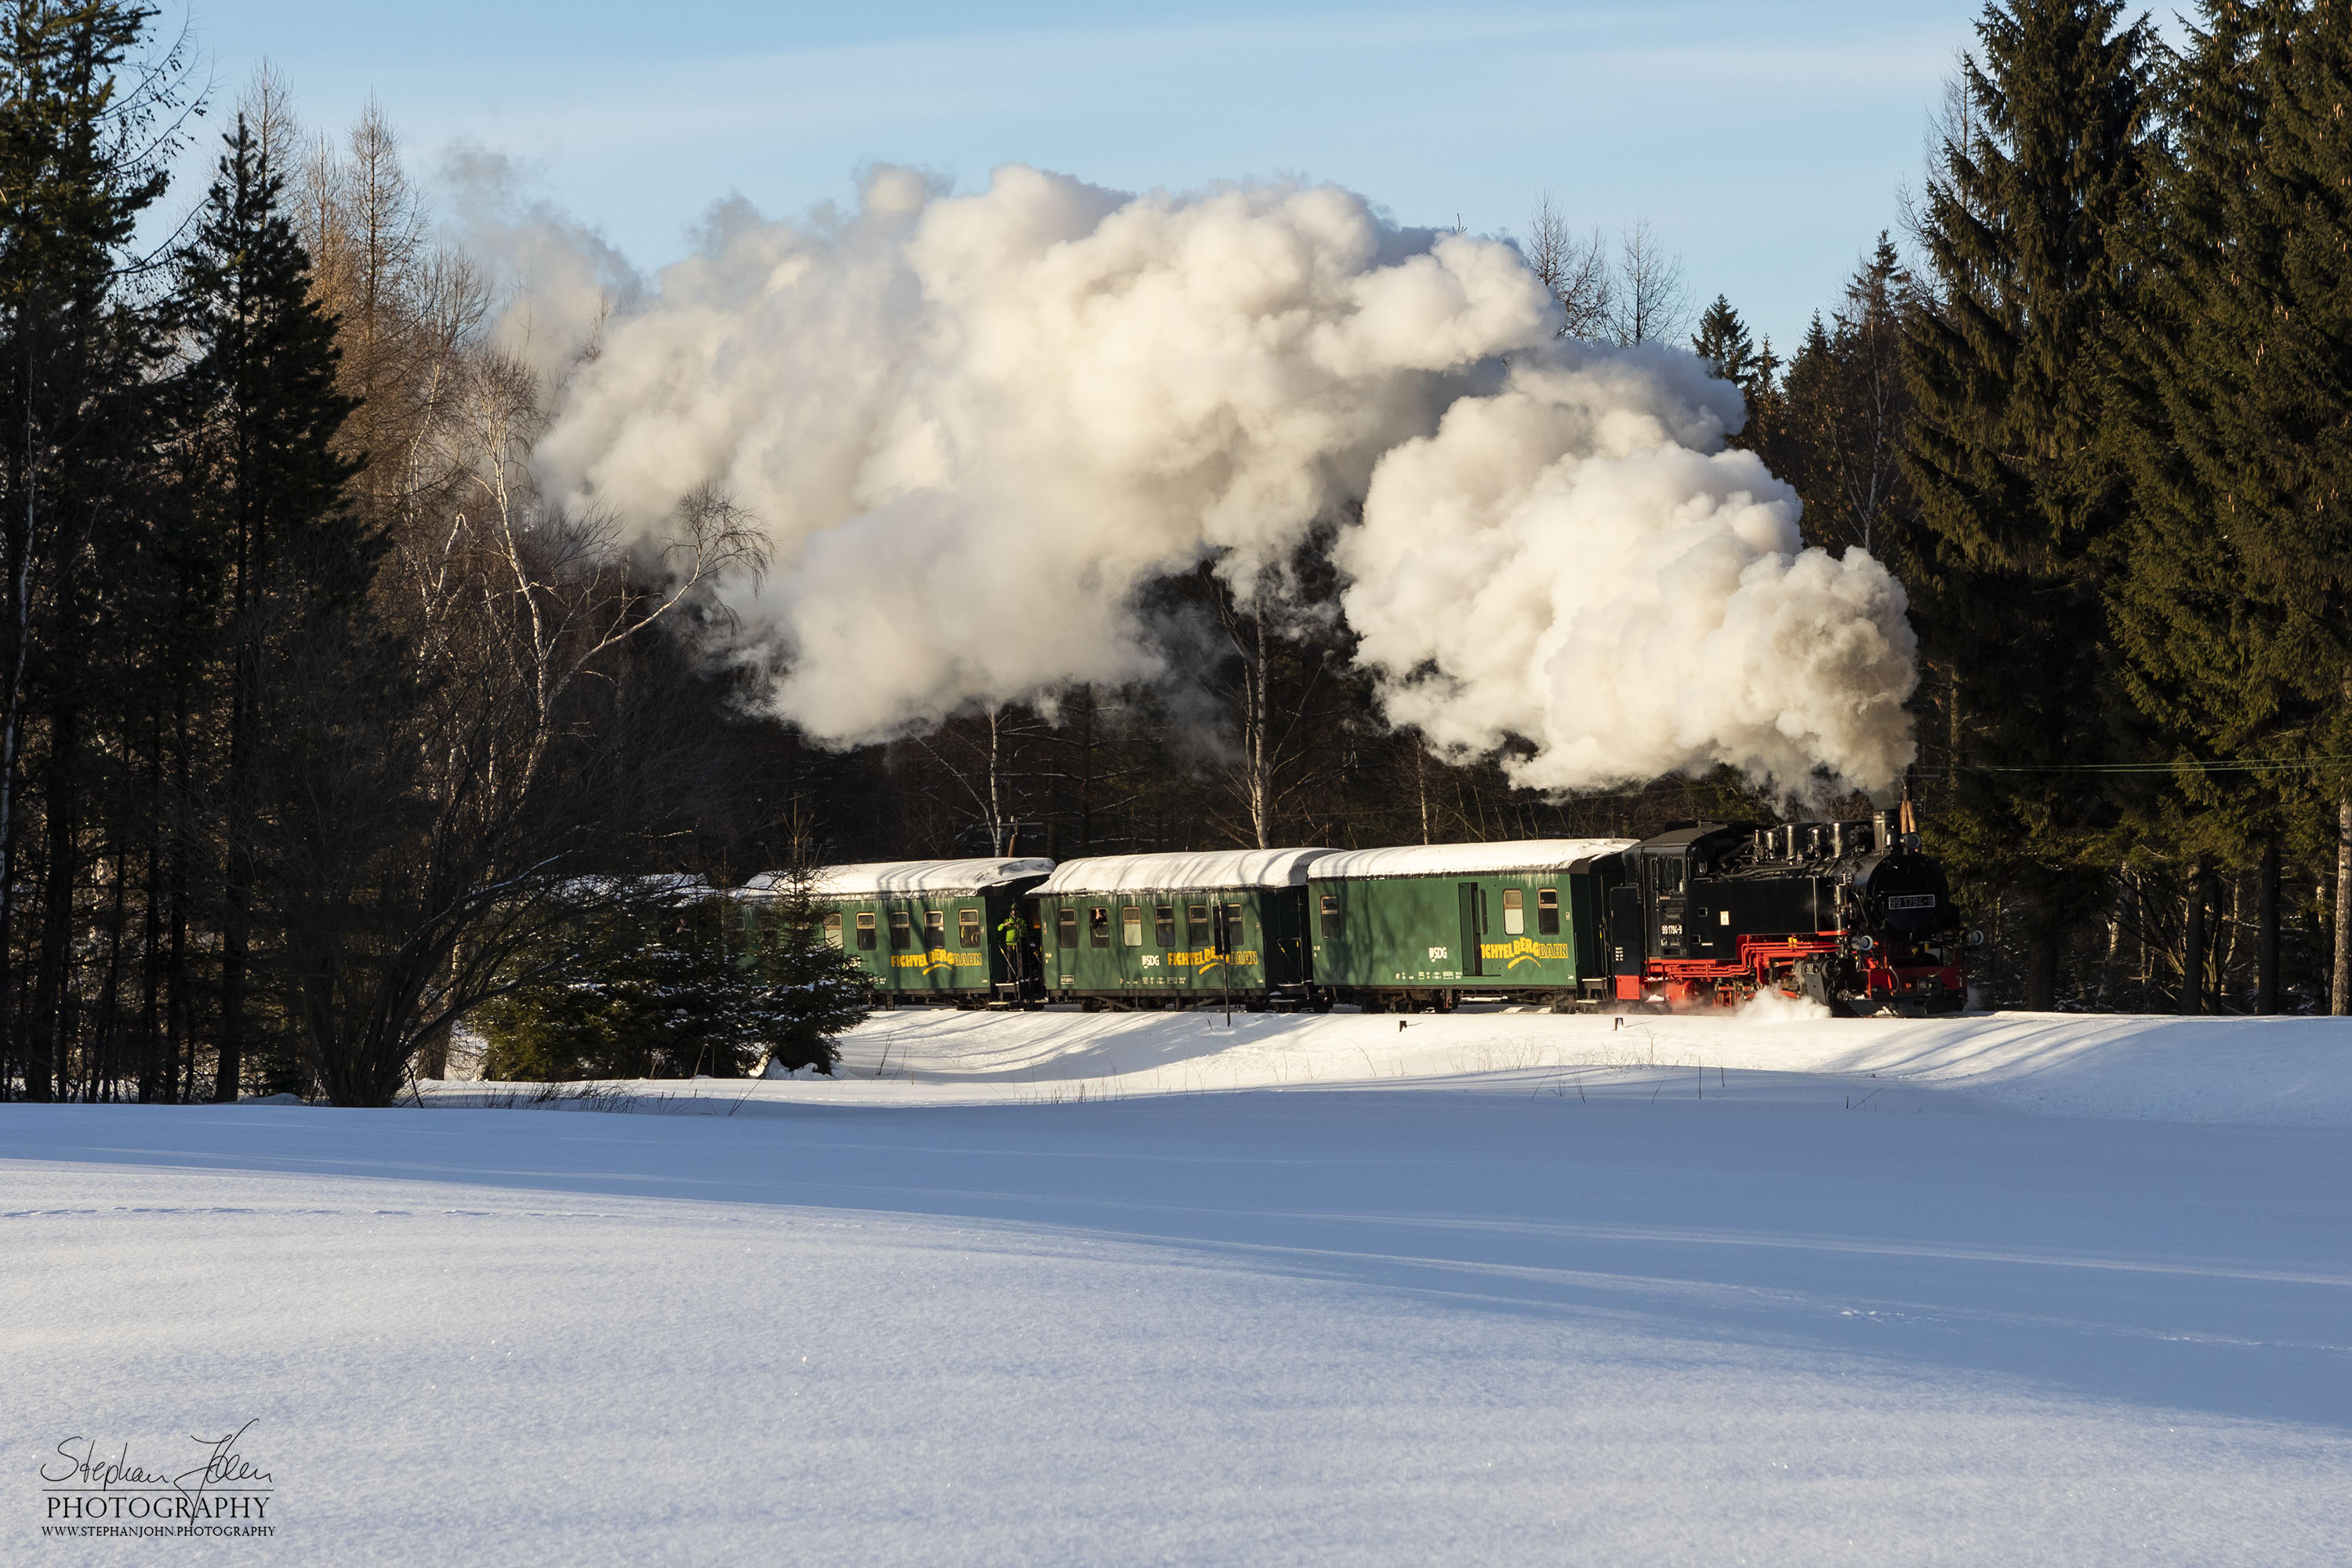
(1012, 935)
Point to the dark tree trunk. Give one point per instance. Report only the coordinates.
(2266, 928)
(2339, 989)
(45, 1040)
(229, 1065)
(156, 1071)
(2042, 971)
(2193, 955)
(178, 1021)
(237, 900)
(106, 1039)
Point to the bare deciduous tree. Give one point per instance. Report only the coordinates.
(1651, 300)
(435, 837)
(990, 756)
(1576, 270)
(1271, 684)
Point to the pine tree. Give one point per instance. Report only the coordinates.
(817, 992)
(2206, 661)
(80, 161)
(1722, 340)
(1847, 412)
(259, 414)
(2290, 427)
(2233, 611)
(2021, 501)
(1811, 394)
(1873, 405)
(668, 988)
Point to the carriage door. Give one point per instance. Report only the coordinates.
(1474, 927)
(1629, 945)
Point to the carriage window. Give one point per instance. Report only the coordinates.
(1098, 926)
(833, 929)
(1233, 925)
(1068, 921)
(935, 929)
(1196, 924)
(1164, 925)
(1515, 913)
(1330, 910)
(865, 932)
(902, 929)
(1131, 926)
(968, 928)
(1548, 912)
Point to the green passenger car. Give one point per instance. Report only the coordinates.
(1174, 930)
(1420, 924)
(932, 931)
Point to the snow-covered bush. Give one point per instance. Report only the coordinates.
(703, 985)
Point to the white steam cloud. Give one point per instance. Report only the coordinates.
(1575, 562)
(976, 428)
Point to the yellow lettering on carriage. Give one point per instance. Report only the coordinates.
(1511, 955)
(1210, 958)
(937, 958)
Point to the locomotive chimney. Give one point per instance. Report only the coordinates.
(1837, 840)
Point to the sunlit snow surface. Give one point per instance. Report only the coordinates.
(1109, 1289)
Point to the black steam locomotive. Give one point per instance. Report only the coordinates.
(1848, 914)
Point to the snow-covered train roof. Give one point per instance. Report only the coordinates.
(1464, 859)
(876, 878)
(1203, 869)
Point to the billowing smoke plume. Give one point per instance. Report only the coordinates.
(977, 426)
(1576, 562)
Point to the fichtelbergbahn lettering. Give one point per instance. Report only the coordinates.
(1707, 914)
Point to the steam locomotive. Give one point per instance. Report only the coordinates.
(1849, 914)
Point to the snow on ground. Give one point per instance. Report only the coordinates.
(1041, 1288)
(2284, 1071)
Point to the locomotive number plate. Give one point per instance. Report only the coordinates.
(1910, 900)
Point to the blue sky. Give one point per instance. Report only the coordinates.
(1764, 141)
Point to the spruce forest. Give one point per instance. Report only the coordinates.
(322, 730)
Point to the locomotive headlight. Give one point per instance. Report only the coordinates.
(1863, 944)
(1976, 939)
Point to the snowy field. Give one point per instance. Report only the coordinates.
(1112, 1288)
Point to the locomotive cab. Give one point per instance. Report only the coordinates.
(1657, 913)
